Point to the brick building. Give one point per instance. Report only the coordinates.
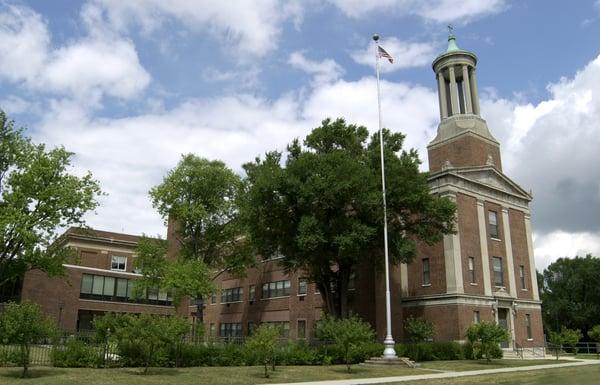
(485, 271)
(99, 279)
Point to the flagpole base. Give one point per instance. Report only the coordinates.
(389, 352)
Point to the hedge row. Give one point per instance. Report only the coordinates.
(78, 354)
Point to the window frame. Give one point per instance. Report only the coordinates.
(493, 228)
(425, 272)
(302, 282)
(471, 271)
(522, 275)
(528, 327)
(276, 289)
(496, 272)
(113, 262)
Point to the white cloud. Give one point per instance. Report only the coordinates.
(251, 27)
(87, 69)
(405, 54)
(325, 71)
(441, 11)
(561, 244)
(14, 105)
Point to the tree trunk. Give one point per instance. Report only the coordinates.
(342, 287)
(25, 358)
(266, 369)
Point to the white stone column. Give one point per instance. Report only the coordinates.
(453, 92)
(510, 264)
(404, 279)
(485, 259)
(453, 260)
(442, 95)
(468, 105)
(474, 93)
(512, 328)
(532, 271)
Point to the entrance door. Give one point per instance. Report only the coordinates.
(503, 321)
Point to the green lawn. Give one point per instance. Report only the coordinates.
(581, 375)
(460, 366)
(254, 375)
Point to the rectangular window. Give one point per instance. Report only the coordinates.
(498, 276)
(98, 285)
(235, 294)
(284, 327)
(213, 298)
(301, 329)
(472, 270)
(302, 286)
(493, 224)
(252, 293)
(522, 276)
(131, 289)
(528, 325)
(351, 281)
(251, 328)
(86, 283)
(121, 287)
(426, 277)
(163, 295)
(212, 330)
(476, 317)
(118, 263)
(276, 289)
(153, 293)
(109, 286)
(233, 329)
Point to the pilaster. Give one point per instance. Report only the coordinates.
(509, 254)
(453, 261)
(485, 259)
(532, 270)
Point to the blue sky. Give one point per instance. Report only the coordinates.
(131, 85)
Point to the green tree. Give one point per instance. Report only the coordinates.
(37, 196)
(263, 344)
(485, 336)
(419, 329)
(200, 199)
(595, 333)
(349, 334)
(322, 210)
(148, 333)
(570, 294)
(23, 324)
(565, 338)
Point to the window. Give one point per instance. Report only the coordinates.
(284, 327)
(213, 298)
(276, 289)
(528, 325)
(235, 294)
(213, 329)
(493, 224)
(233, 329)
(498, 276)
(426, 278)
(302, 286)
(121, 287)
(86, 283)
(301, 332)
(251, 328)
(105, 288)
(118, 263)
(109, 286)
(352, 281)
(251, 293)
(476, 317)
(522, 277)
(472, 270)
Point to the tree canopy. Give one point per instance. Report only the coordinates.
(570, 294)
(38, 194)
(322, 209)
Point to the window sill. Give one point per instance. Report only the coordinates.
(282, 296)
(496, 239)
(500, 287)
(302, 295)
(472, 284)
(227, 303)
(426, 285)
(529, 339)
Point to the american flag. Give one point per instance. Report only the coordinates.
(383, 53)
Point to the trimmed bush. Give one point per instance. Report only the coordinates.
(431, 351)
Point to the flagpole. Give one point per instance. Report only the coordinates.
(389, 352)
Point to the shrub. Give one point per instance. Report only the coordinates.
(299, 353)
(263, 345)
(419, 329)
(77, 354)
(485, 337)
(349, 335)
(566, 337)
(595, 333)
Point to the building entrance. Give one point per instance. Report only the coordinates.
(503, 322)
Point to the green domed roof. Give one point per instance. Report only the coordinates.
(452, 43)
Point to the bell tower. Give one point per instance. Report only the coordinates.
(463, 138)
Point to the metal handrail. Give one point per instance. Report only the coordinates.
(518, 349)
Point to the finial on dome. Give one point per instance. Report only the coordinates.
(451, 40)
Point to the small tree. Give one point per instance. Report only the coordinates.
(349, 334)
(485, 336)
(263, 344)
(150, 333)
(566, 337)
(419, 329)
(23, 324)
(595, 335)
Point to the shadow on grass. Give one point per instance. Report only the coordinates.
(152, 371)
(33, 373)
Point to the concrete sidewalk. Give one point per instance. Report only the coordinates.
(433, 376)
